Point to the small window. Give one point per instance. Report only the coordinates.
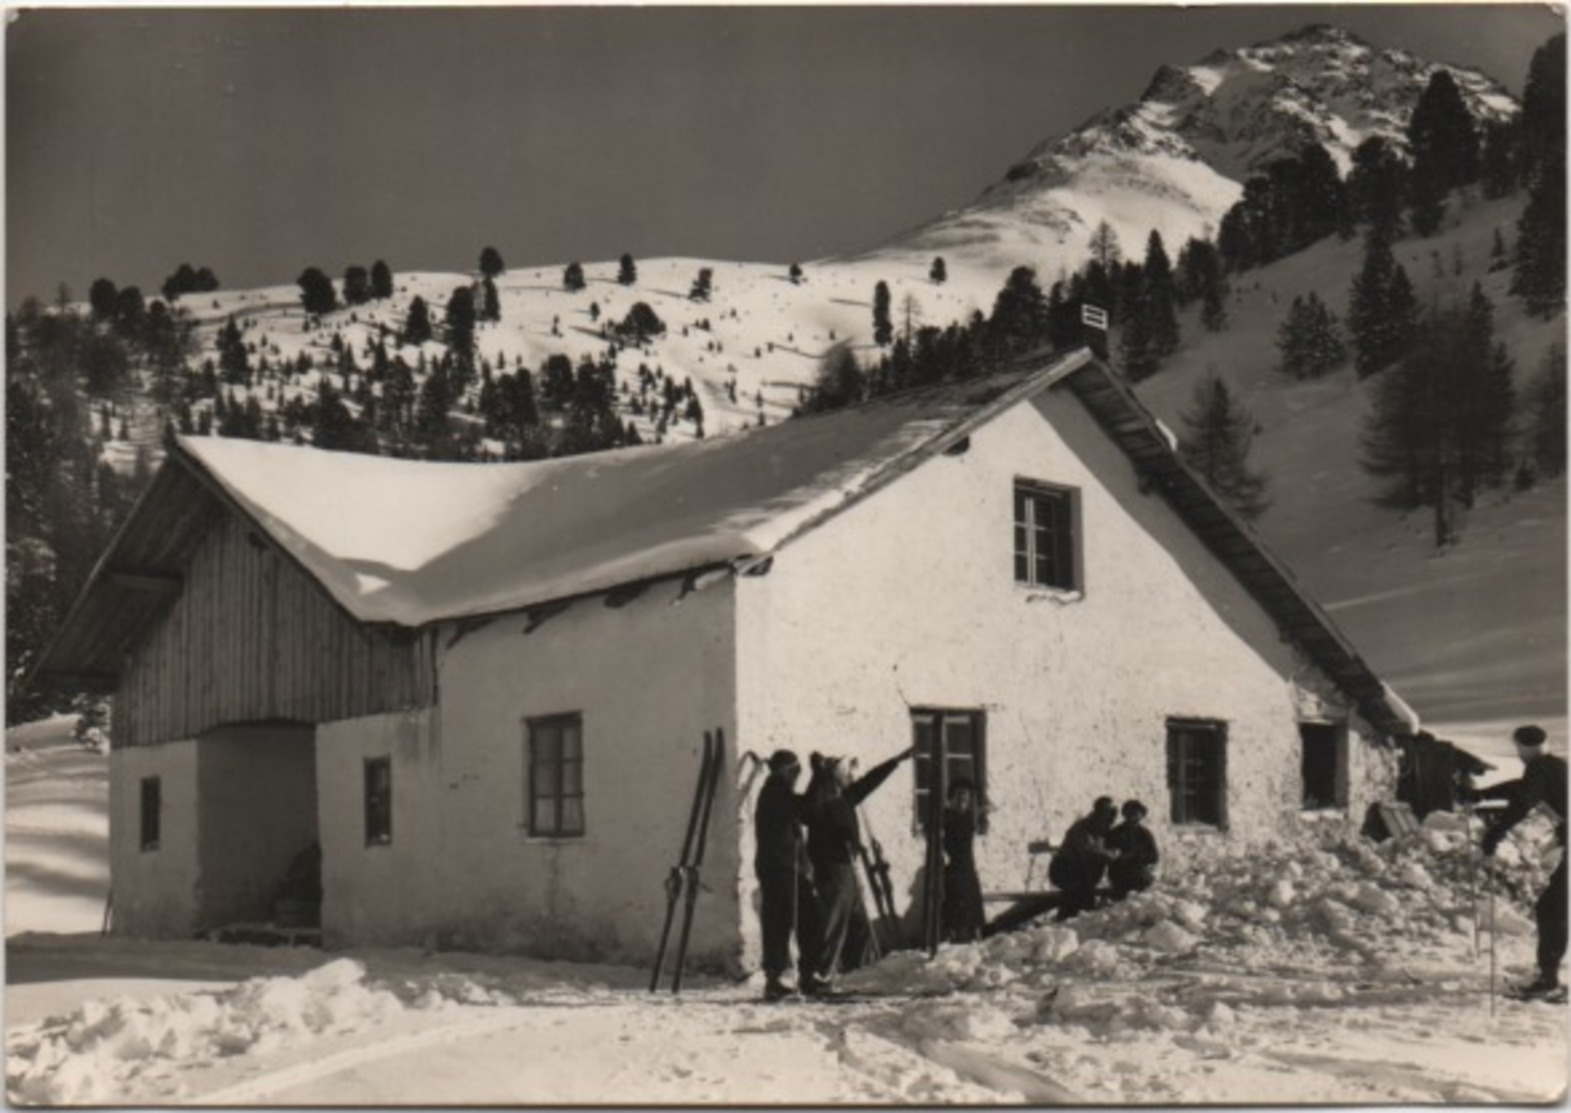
(1045, 537)
(958, 740)
(555, 792)
(378, 801)
(1197, 772)
(152, 812)
(1324, 765)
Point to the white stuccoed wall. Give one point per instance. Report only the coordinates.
(914, 591)
(154, 890)
(648, 679)
(392, 893)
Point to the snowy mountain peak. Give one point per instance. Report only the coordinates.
(1176, 159)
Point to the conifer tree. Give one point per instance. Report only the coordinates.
(1376, 187)
(1381, 308)
(417, 325)
(703, 285)
(1160, 297)
(491, 263)
(1441, 135)
(938, 274)
(627, 272)
(1543, 118)
(357, 285)
(1104, 246)
(795, 274)
(1309, 341)
(1137, 348)
(492, 310)
(461, 321)
(1540, 274)
(102, 296)
(381, 280)
(1217, 435)
(1438, 421)
(883, 327)
(1546, 414)
(316, 292)
(1020, 319)
(573, 278)
(839, 382)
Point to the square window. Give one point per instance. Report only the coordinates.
(378, 801)
(554, 792)
(1045, 541)
(1324, 765)
(1197, 772)
(152, 816)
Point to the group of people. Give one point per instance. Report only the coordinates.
(807, 847)
(1097, 847)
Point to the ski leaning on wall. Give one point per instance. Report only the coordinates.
(682, 883)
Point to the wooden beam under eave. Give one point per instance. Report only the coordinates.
(156, 582)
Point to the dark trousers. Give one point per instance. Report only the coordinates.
(1550, 914)
(1076, 899)
(788, 903)
(837, 901)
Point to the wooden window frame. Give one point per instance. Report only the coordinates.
(1062, 532)
(377, 801)
(1197, 772)
(557, 779)
(975, 764)
(151, 815)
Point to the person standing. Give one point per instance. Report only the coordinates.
(964, 918)
(1078, 866)
(834, 838)
(1134, 868)
(787, 900)
(1543, 782)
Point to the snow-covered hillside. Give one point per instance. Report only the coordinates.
(1324, 969)
(1176, 160)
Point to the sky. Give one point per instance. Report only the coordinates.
(261, 141)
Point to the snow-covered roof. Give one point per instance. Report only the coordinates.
(412, 542)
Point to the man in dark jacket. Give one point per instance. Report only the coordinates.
(787, 901)
(834, 838)
(1543, 783)
(1078, 865)
(1135, 867)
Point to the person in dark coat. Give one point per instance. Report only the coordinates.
(1078, 866)
(787, 901)
(1543, 783)
(963, 915)
(834, 839)
(1135, 867)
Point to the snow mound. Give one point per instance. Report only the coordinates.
(95, 1055)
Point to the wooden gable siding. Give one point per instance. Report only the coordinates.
(252, 638)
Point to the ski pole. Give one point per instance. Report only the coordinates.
(1472, 872)
(1489, 879)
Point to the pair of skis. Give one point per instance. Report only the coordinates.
(682, 884)
(884, 924)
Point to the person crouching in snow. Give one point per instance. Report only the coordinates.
(1077, 866)
(787, 900)
(1543, 781)
(1135, 867)
(963, 915)
(834, 838)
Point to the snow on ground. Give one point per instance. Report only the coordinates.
(1323, 969)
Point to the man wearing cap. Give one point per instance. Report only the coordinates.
(1077, 866)
(1543, 782)
(1135, 867)
(787, 900)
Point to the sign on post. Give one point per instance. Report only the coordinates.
(1094, 316)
